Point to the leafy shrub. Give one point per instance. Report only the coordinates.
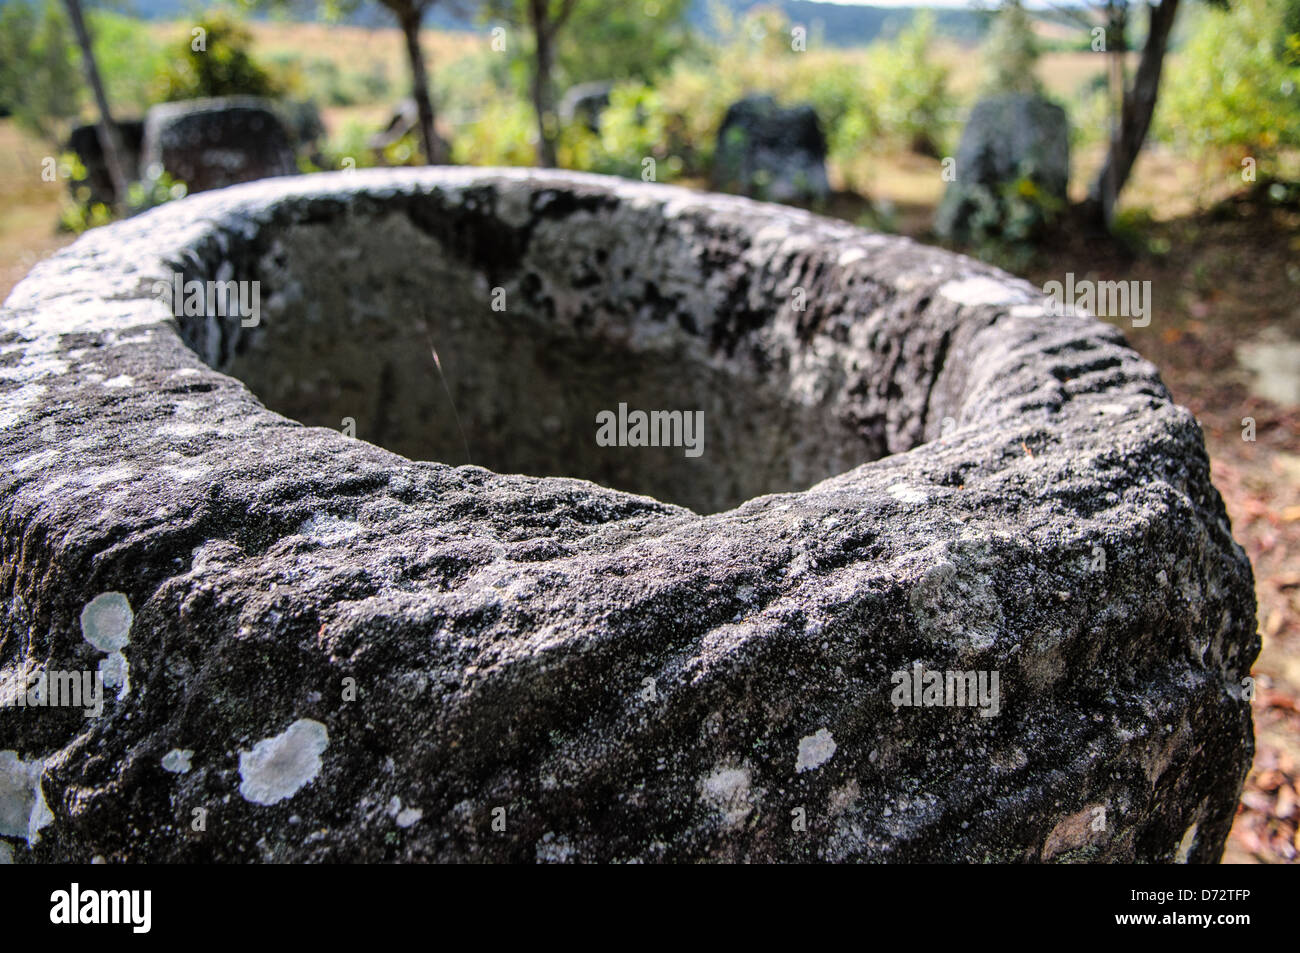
(129, 59)
(82, 212)
(1011, 53)
(222, 67)
(39, 80)
(633, 128)
(1234, 91)
(909, 89)
(503, 134)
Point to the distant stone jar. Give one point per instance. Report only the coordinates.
(214, 143)
(84, 142)
(770, 152)
(919, 573)
(1012, 171)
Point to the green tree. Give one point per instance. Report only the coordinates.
(38, 83)
(1011, 53)
(543, 19)
(215, 60)
(1133, 104)
(110, 140)
(1235, 90)
(573, 41)
(617, 41)
(410, 16)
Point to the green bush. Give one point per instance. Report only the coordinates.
(82, 213)
(632, 129)
(321, 80)
(503, 134)
(129, 60)
(909, 89)
(1011, 53)
(223, 66)
(1234, 91)
(40, 82)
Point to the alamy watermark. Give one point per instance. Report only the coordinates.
(219, 299)
(59, 689)
(1110, 299)
(932, 688)
(656, 428)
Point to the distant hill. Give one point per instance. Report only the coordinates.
(850, 25)
(838, 24)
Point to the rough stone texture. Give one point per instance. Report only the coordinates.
(618, 677)
(1006, 139)
(213, 143)
(771, 153)
(84, 141)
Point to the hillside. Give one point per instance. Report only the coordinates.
(839, 24)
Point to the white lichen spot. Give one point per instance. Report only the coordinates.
(814, 750)
(907, 494)
(177, 761)
(122, 380)
(727, 791)
(23, 811)
(409, 816)
(41, 817)
(325, 528)
(555, 850)
(278, 768)
(980, 290)
(116, 671)
(106, 621)
(1185, 845)
(1111, 410)
(1028, 311)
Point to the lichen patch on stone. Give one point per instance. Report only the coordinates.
(726, 790)
(814, 750)
(23, 811)
(177, 761)
(116, 671)
(907, 494)
(981, 290)
(106, 621)
(279, 767)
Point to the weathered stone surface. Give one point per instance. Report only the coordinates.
(339, 653)
(1007, 139)
(213, 143)
(772, 153)
(84, 142)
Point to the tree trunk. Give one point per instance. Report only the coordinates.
(110, 141)
(543, 100)
(1135, 119)
(410, 21)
